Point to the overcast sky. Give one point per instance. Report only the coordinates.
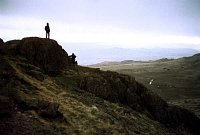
(112, 23)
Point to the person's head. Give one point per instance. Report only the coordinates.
(47, 24)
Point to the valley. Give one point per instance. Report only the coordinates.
(175, 80)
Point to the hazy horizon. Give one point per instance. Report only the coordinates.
(89, 55)
(111, 23)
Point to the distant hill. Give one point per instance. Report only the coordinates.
(84, 53)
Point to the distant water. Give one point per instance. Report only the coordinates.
(92, 55)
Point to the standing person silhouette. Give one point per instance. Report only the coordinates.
(47, 29)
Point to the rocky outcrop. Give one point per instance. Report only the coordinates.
(12, 42)
(44, 108)
(44, 53)
(124, 89)
(1, 42)
(36, 74)
(114, 87)
(1, 46)
(49, 110)
(32, 71)
(9, 47)
(172, 116)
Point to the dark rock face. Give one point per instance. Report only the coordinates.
(1, 42)
(124, 89)
(9, 47)
(1, 46)
(44, 53)
(172, 116)
(12, 42)
(113, 87)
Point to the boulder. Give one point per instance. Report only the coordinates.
(44, 53)
(44, 108)
(36, 74)
(49, 110)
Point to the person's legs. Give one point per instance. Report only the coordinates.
(46, 34)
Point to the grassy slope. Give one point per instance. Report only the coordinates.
(83, 112)
(177, 81)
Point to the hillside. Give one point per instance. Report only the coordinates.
(42, 92)
(175, 80)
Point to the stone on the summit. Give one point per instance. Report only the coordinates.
(44, 53)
